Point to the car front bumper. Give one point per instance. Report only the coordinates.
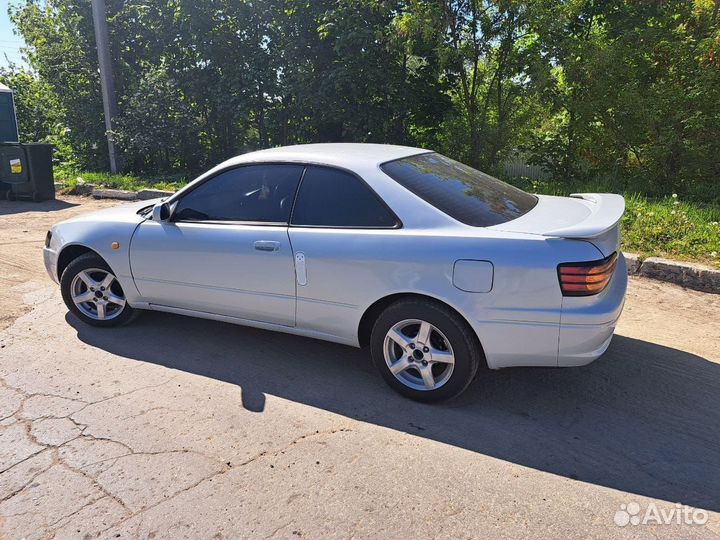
(50, 258)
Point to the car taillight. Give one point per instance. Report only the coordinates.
(586, 278)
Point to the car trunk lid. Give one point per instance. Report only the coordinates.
(586, 216)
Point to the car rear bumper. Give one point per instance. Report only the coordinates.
(587, 323)
(581, 344)
(50, 259)
(584, 333)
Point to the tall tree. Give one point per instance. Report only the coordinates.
(613, 88)
(636, 91)
(62, 53)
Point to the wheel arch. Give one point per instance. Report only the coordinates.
(71, 252)
(374, 310)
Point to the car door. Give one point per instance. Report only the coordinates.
(225, 249)
(346, 246)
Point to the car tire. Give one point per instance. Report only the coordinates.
(92, 268)
(405, 358)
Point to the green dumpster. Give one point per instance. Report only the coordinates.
(26, 171)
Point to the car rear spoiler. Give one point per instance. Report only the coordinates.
(606, 210)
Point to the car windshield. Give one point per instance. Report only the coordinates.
(465, 194)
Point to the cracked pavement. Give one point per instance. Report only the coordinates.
(181, 428)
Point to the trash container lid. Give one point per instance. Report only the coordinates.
(4, 88)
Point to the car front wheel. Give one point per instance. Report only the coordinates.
(425, 350)
(92, 292)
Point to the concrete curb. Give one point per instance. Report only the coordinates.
(123, 195)
(633, 263)
(145, 194)
(689, 275)
(114, 194)
(84, 189)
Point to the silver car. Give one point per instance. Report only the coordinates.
(437, 268)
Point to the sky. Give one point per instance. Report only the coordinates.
(9, 43)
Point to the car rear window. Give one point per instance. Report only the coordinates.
(333, 198)
(465, 194)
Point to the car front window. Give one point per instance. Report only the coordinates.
(253, 193)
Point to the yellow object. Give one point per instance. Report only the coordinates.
(115, 245)
(15, 166)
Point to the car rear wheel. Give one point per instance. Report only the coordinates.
(425, 350)
(92, 292)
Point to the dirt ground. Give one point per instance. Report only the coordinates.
(177, 428)
(22, 233)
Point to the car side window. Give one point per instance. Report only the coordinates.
(333, 198)
(257, 193)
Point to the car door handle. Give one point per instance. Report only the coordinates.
(267, 245)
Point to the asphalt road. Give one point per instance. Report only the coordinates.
(177, 428)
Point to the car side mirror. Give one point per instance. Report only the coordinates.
(161, 212)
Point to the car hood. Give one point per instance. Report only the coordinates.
(124, 213)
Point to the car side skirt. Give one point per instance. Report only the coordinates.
(247, 322)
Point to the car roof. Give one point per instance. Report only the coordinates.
(361, 158)
(347, 155)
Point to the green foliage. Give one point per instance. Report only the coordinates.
(63, 57)
(635, 93)
(72, 178)
(39, 111)
(37, 107)
(614, 92)
(673, 228)
(168, 125)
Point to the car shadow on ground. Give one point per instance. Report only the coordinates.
(642, 419)
(19, 207)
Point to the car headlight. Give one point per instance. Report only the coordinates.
(48, 238)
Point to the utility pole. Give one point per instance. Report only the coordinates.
(106, 78)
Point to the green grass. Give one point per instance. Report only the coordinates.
(657, 226)
(120, 181)
(672, 228)
(676, 227)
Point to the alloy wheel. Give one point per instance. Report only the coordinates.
(97, 294)
(419, 355)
